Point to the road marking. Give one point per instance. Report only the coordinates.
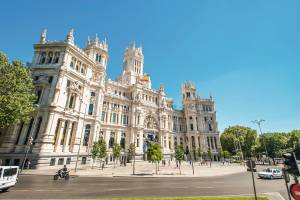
(36, 190)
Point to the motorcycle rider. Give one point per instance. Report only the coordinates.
(63, 171)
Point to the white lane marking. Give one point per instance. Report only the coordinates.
(36, 190)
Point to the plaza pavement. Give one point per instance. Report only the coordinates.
(146, 169)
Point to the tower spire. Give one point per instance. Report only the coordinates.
(88, 41)
(43, 36)
(70, 37)
(96, 41)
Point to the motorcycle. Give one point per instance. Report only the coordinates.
(61, 174)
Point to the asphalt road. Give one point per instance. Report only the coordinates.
(43, 187)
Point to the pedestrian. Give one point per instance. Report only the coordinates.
(28, 164)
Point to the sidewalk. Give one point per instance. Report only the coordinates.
(146, 169)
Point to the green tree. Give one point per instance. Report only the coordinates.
(154, 154)
(131, 151)
(95, 152)
(179, 155)
(209, 154)
(275, 143)
(234, 137)
(199, 153)
(294, 139)
(16, 92)
(116, 152)
(102, 152)
(226, 154)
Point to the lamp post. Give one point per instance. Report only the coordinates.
(258, 122)
(133, 166)
(81, 135)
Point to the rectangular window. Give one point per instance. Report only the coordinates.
(91, 108)
(50, 79)
(86, 135)
(68, 161)
(71, 101)
(103, 116)
(191, 127)
(60, 161)
(83, 160)
(16, 163)
(114, 118)
(124, 119)
(10, 172)
(52, 161)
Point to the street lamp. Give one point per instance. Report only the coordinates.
(258, 122)
(133, 166)
(81, 136)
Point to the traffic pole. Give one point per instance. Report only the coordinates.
(286, 180)
(253, 182)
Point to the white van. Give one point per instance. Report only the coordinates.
(8, 177)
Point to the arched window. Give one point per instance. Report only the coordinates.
(43, 58)
(86, 135)
(193, 141)
(56, 57)
(72, 63)
(50, 57)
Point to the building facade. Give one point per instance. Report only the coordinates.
(77, 105)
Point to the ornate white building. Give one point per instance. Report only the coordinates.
(77, 105)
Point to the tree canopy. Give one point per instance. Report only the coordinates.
(276, 143)
(16, 92)
(234, 136)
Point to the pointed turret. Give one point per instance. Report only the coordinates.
(70, 37)
(96, 40)
(88, 42)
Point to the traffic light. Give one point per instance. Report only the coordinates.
(290, 163)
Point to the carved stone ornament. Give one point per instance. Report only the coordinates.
(150, 123)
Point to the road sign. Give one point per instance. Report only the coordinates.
(250, 165)
(295, 191)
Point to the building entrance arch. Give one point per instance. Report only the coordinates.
(150, 133)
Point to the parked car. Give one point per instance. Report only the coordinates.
(8, 177)
(270, 173)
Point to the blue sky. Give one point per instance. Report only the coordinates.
(246, 54)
